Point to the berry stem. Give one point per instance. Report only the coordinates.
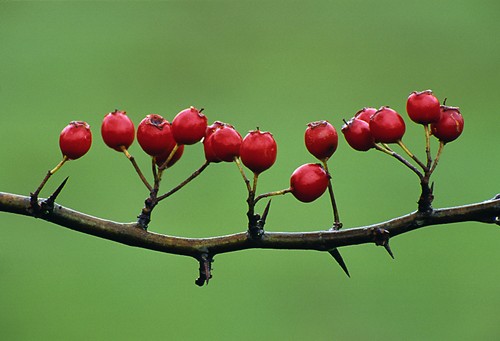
(389, 151)
(242, 172)
(410, 154)
(428, 145)
(136, 167)
(336, 219)
(438, 155)
(34, 195)
(153, 169)
(59, 165)
(170, 156)
(185, 182)
(272, 194)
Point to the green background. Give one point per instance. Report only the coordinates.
(273, 64)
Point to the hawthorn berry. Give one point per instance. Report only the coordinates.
(450, 124)
(308, 182)
(226, 142)
(321, 139)
(365, 114)
(75, 140)
(189, 126)
(357, 134)
(387, 126)
(423, 107)
(117, 130)
(258, 151)
(154, 135)
(207, 142)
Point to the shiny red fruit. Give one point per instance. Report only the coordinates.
(75, 140)
(226, 142)
(321, 139)
(308, 182)
(258, 151)
(207, 142)
(365, 114)
(189, 126)
(154, 134)
(358, 135)
(117, 130)
(387, 126)
(423, 107)
(160, 159)
(450, 124)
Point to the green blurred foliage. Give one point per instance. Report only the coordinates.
(273, 64)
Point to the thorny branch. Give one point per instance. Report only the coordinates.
(204, 249)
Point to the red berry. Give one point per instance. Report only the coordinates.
(226, 142)
(423, 107)
(258, 151)
(207, 142)
(387, 126)
(117, 130)
(160, 159)
(358, 135)
(365, 114)
(75, 140)
(450, 124)
(321, 139)
(309, 182)
(154, 135)
(189, 126)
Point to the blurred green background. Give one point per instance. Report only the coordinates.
(273, 64)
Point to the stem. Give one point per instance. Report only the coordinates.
(428, 145)
(410, 154)
(438, 155)
(136, 167)
(170, 156)
(400, 159)
(336, 219)
(272, 194)
(242, 172)
(59, 165)
(34, 195)
(185, 182)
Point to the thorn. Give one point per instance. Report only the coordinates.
(266, 212)
(49, 203)
(388, 249)
(336, 255)
(205, 270)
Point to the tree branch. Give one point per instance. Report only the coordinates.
(127, 233)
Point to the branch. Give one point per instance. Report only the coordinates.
(206, 248)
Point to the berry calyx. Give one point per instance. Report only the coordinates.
(258, 151)
(117, 130)
(387, 126)
(358, 135)
(226, 143)
(75, 140)
(207, 142)
(154, 135)
(450, 124)
(423, 107)
(321, 139)
(365, 114)
(308, 182)
(189, 126)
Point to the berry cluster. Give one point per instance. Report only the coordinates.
(371, 126)
(165, 142)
